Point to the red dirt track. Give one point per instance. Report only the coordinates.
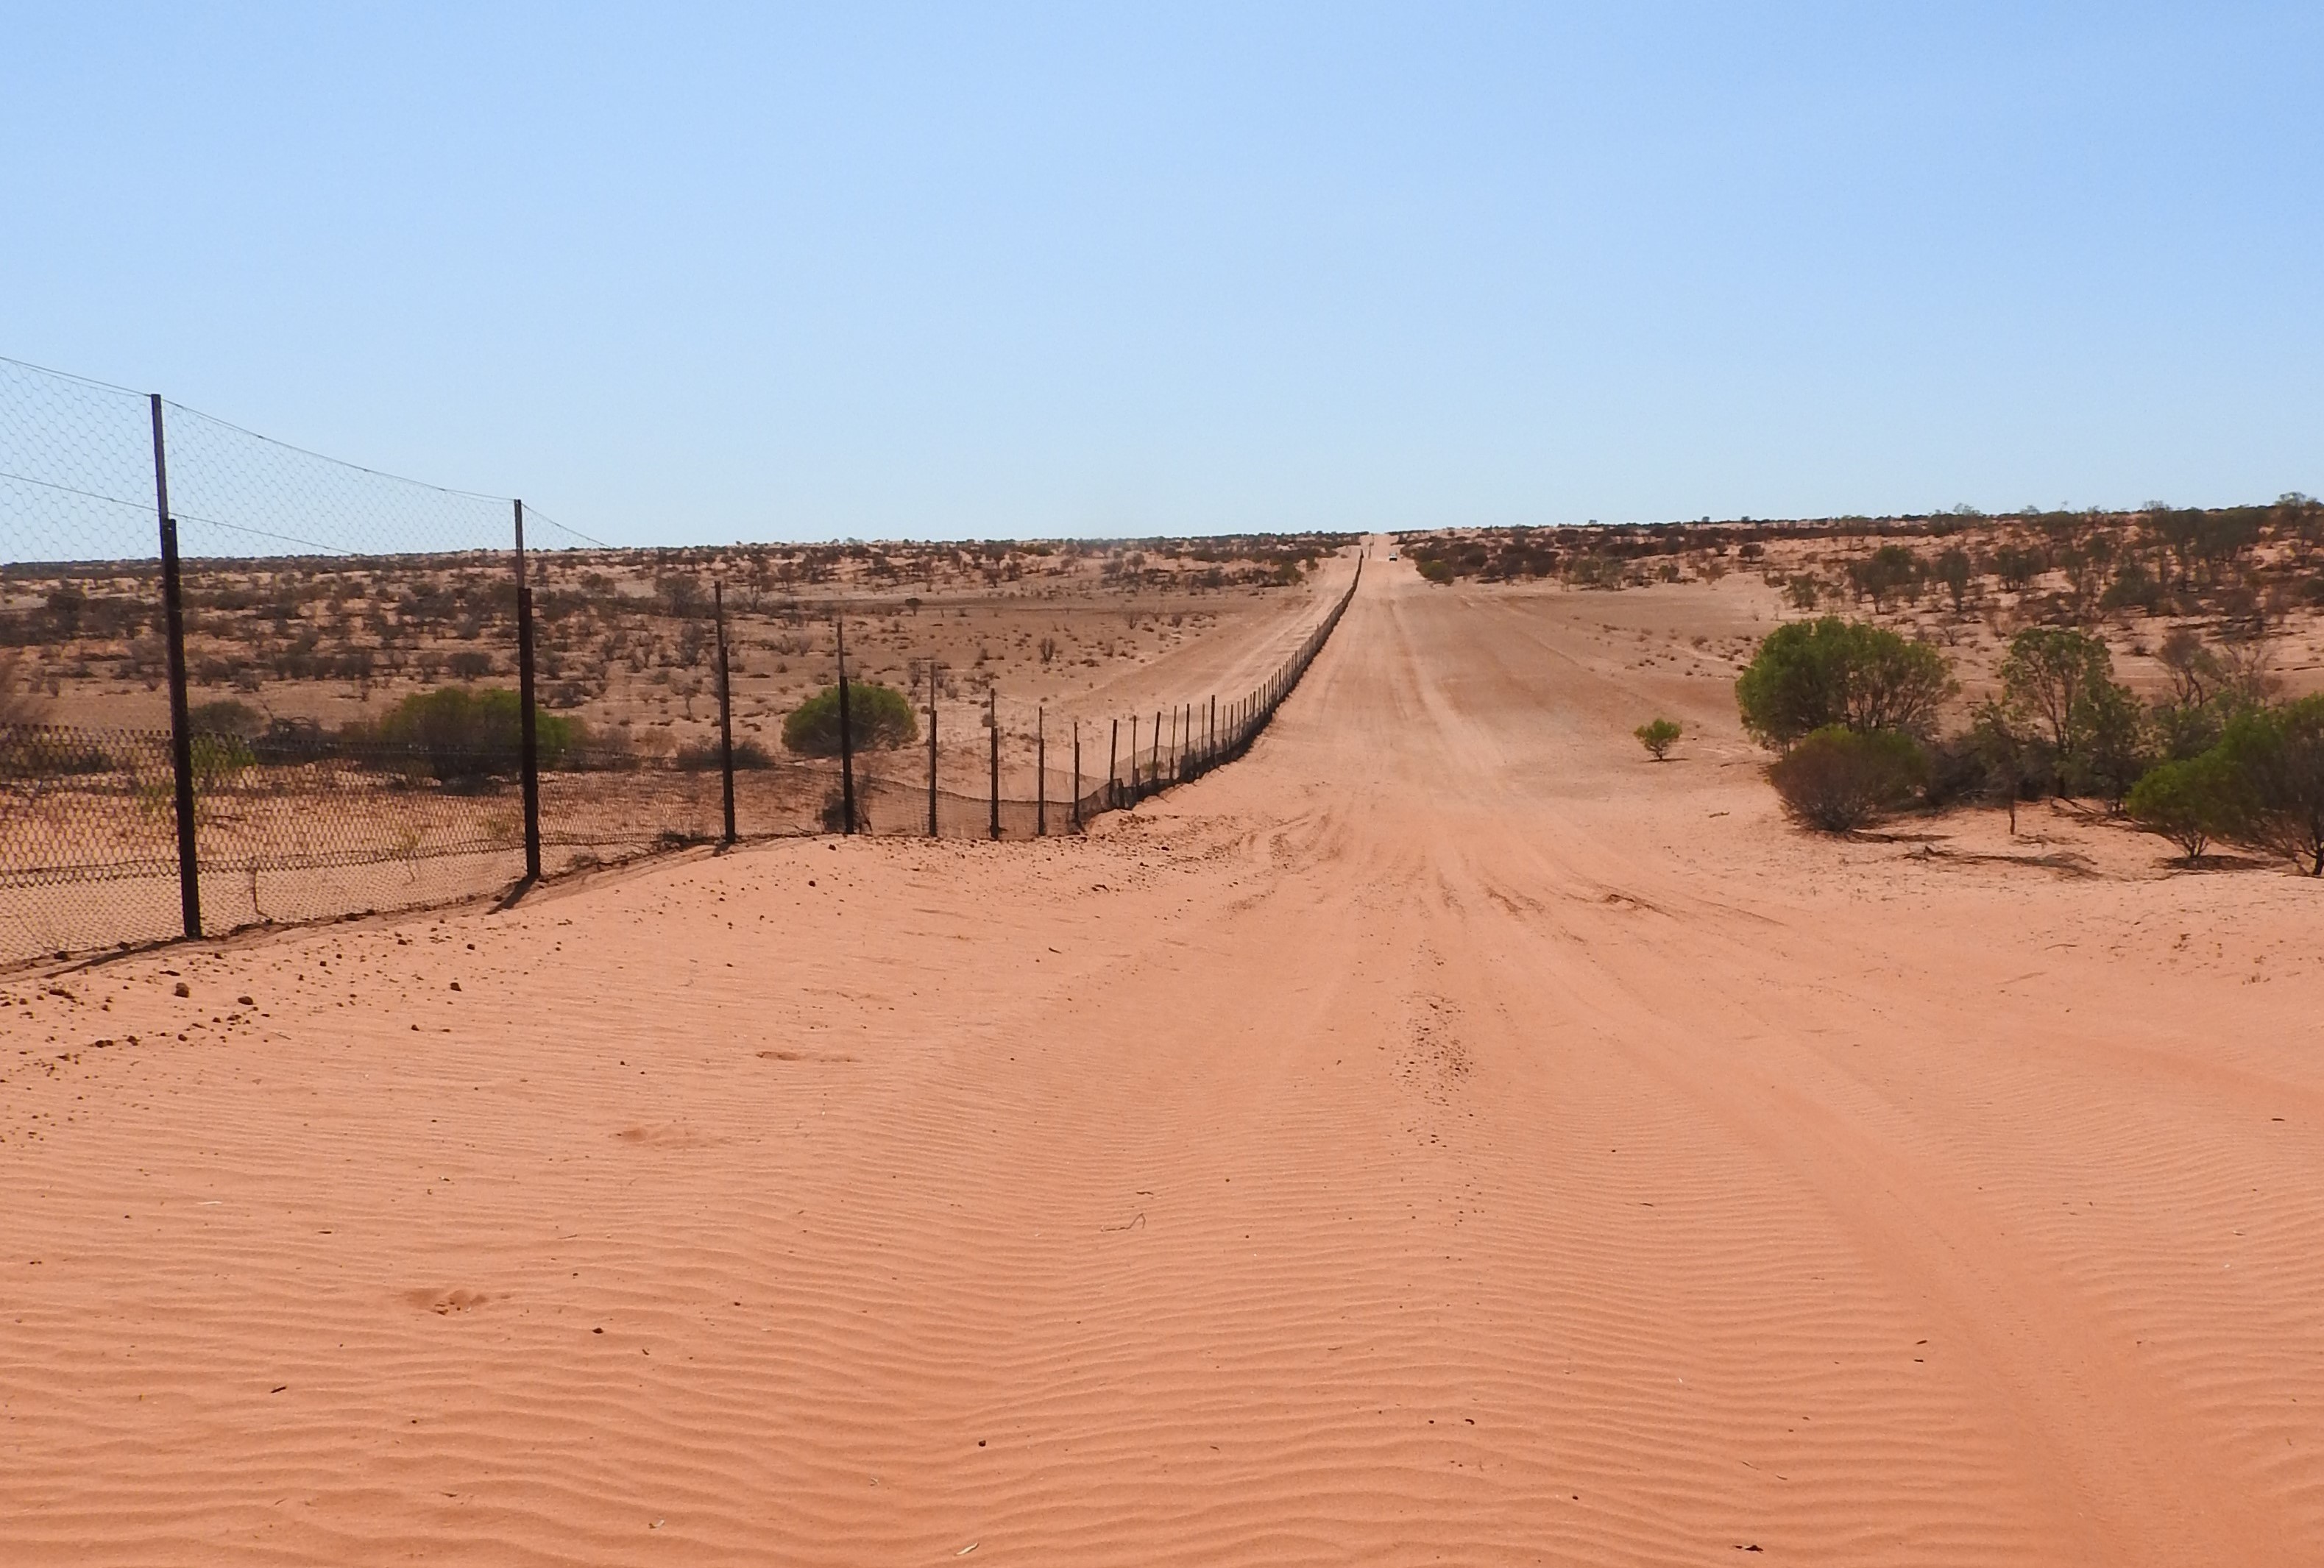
(1444, 1137)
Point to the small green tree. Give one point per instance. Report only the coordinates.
(2112, 741)
(2048, 667)
(878, 717)
(2187, 802)
(1889, 570)
(1808, 675)
(1954, 571)
(2101, 736)
(2014, 762)
(2276, 793)
(1837, 779)
(1658, 736)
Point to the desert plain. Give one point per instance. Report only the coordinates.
(1444, 1136)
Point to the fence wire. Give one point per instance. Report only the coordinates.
(351, 652)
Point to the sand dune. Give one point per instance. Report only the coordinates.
(1445, 1136)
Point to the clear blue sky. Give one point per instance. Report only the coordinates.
(682, 273)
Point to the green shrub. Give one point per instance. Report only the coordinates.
(1810, 675)
(1658, 737)
(703, 756)
(1437, 569)
(2102, 738)
(1891, 569)
(2274, 794)
(1837, 779)
(2188, 802)
(466, 735)
(878, 717)
(227, 716)
(2113, 742)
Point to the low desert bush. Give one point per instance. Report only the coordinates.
(467, 736)
(703, 756)
(38, 752)
(1838, 780)
(2275, 791)
(2188, 802)
(227, 716)
(878, 717)
(1810, 675)
(1658, 736)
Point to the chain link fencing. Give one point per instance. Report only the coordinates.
(303, 689)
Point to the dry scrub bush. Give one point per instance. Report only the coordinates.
(878, 717)
(1837, 779)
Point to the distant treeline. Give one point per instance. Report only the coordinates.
(2074, 566)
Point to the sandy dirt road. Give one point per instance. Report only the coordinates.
(1446, 1137)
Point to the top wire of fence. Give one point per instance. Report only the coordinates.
(79, 467)
(76, 468)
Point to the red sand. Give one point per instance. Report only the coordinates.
(1446, 1137)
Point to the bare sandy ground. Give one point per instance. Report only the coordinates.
(1446, 1137)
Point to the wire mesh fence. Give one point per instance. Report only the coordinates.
(304, 689)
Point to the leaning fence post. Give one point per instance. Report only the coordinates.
(1040, 772)
(181, 738)
(847, 734)
(993, 723)
(528, 738)
(725, 707)
(1113, 768)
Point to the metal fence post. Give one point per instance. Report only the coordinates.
(181, 738)
(725, 707)
(1040, 772)
(993, 723)
(847, 734)
(527, 725)
(1077, 775)
(1133, 759)
(1113, 767)
(932, 748)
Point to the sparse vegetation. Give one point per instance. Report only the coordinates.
(2272, 783)
(1812, 675)
(878, 717)
(1837, 779)
(467, 736)
(706, 756)
(2183, 802)
(1658, 736)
